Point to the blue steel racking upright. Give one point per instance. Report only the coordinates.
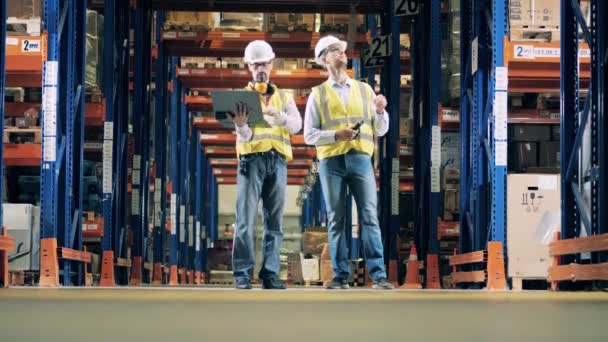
(2, 84)
(115, 153)
(63, 137)
(140, 121)
(484, 81)
(584, 171)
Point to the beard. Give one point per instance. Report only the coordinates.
(261, 77)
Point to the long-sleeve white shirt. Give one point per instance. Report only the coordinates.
(314, 135)
(289, 118)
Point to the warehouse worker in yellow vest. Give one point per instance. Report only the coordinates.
(262, 174)
(342, 117)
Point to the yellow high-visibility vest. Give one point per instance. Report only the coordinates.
(265, 139)
(334, 116)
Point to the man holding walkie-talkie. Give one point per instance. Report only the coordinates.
(342, 117)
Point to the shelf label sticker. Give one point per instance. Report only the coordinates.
(51, 76)
(157, 191)
(523, 51)
(49, 149)
(199, 71)
(231, 35)
(239, 72)
(136, 162)
(135, 202)
(186, 34)
(284, 72)
(197, 246)
(12, 41)
(182, 214)
(502, 79)
(280, 35)
(435, 179)
(191, 231)
(135, 176)
(108, 130)
(183, 71)
(203, 232)
(107, 166)
(49, 98)
(500, 115)
(170, 35)
(173, 214)
(436, 146)
(31, 45)
(474, 55)
(395, 187)
(182, 233)
(500, 153)
(49, 113)
(157, 214)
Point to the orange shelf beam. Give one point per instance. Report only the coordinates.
(95, 113)
(22, 154)
(535, 66)
(24, 59)
(204, 104)
(220, 43)
(237, 78)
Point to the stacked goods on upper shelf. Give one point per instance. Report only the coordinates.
(537, 20)
(338, 23)
(24, 17)
(240, 21)
(454, 47)
(189, 21)
(94, 66)
(289, 22)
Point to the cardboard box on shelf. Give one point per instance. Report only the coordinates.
(340, 22)
(195, 21)
(310, 269)
(533, 214)
(313, 241)
(284, 22)
(240, 21)
(24, 9)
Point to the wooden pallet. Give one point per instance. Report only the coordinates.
(14, 135)
(534, 34)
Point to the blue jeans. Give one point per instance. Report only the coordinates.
(355, 171)
(266, 179)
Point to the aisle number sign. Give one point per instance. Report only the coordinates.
(378, 50)
(406, 7)
(30, 45)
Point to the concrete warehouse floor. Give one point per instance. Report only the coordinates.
(188, 314)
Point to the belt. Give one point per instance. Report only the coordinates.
(272, 152)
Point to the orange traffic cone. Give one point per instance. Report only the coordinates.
(412, 277)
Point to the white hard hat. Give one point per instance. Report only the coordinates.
(323, 44)
(258, 51)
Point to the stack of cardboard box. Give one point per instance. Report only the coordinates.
(289, 22)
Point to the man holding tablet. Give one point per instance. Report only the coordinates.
(263, 152)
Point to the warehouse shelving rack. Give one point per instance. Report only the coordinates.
(484, 86)
(583, 167)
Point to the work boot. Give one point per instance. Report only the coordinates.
(243, 284)
(382, 284)
(272, 283)
(337, 284)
